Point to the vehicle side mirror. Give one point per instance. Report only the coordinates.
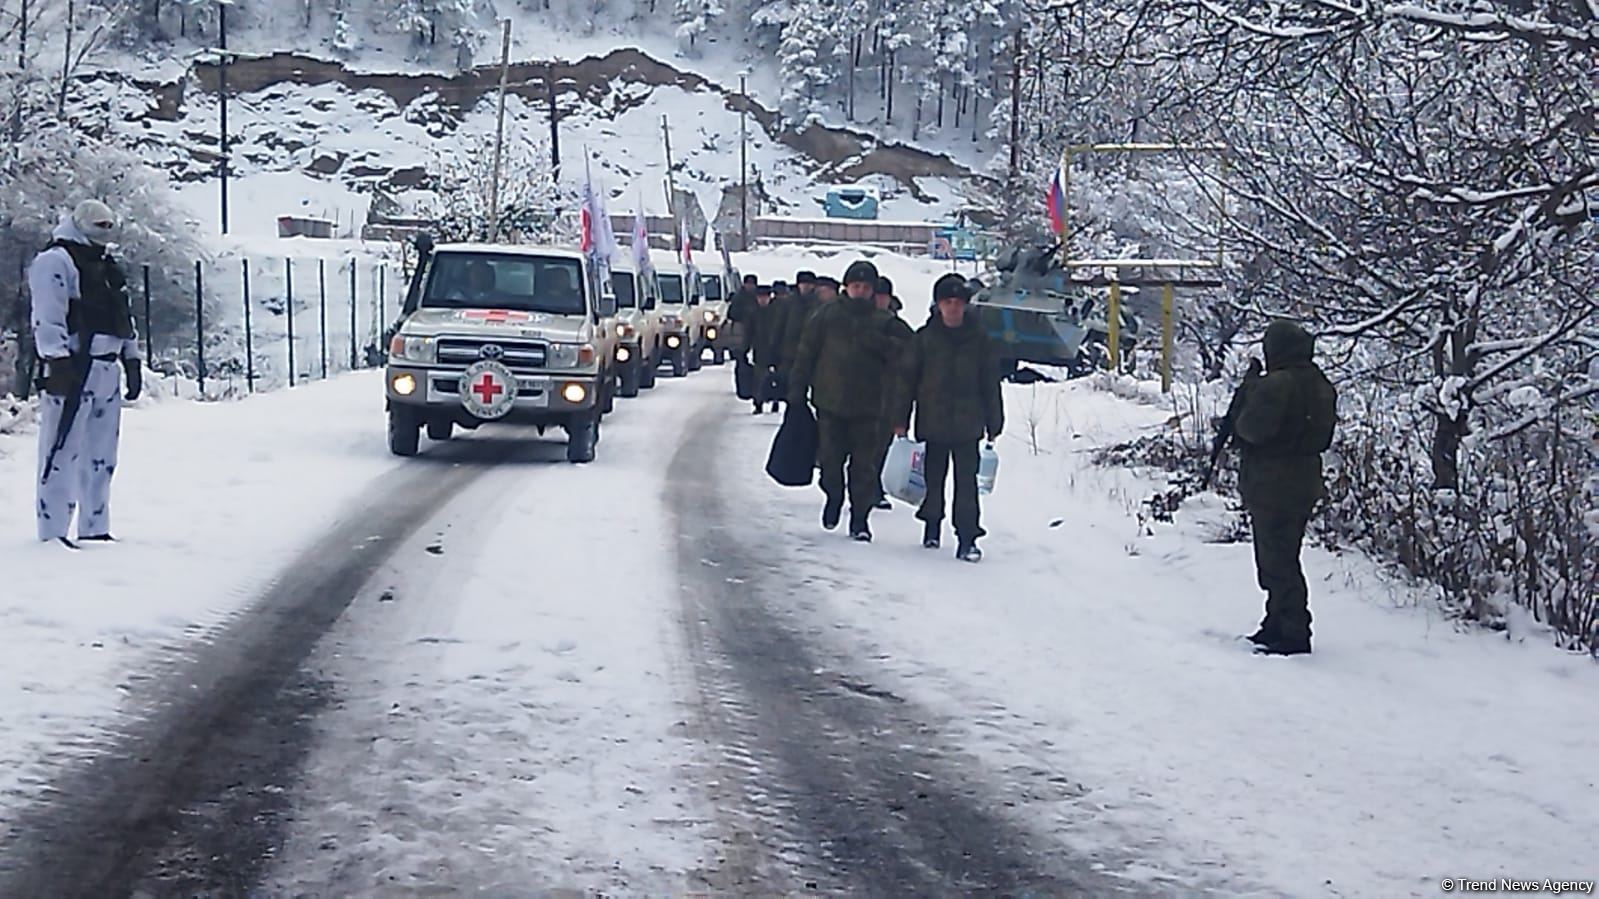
(606, 307)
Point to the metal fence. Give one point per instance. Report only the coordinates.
(260, 324)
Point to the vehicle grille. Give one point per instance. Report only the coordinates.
(517, 355)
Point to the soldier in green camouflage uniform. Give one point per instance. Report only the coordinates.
(950, 376)
(841, 366)
(1284, 422)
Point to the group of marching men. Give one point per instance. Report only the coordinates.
(866, 372)
(849, 355)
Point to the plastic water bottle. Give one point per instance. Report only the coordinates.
(987, 468)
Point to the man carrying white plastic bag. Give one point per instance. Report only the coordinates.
(950, 379)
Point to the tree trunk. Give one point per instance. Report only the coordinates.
(941, 101)
(916, 125)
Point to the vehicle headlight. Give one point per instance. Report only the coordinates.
(710, 333)
(413, 349)
(405, 385)
(673, 341)
(574, 393)
(626, 331)
(623, 354)
(710, 317)
(571, 355)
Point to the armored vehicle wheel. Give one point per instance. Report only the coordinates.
(405, 432)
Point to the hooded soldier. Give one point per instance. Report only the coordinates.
(1284, 422)
(82, 330)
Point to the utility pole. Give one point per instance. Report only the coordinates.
(66, 61)
(499, 133)
(743, 163)
(671, 188)
(222, 100)
(555, 123)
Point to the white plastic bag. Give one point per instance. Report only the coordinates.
(987, 469)
(902, 471)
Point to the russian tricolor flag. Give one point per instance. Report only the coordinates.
(1056, 203)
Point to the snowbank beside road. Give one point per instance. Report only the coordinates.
(208, 501)
(1089, 653)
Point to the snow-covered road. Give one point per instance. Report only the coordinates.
(487, 670)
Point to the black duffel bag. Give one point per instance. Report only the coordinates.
(744, 379)
(792, 461)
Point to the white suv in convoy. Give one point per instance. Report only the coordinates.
(500, 332)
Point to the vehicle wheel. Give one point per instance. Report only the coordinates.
(718, 356)
(631, 375)
(441, 429)
(608, 396)
(648, 371)
(580, 440)
(405, 432)
(696, 356)
(680, 363)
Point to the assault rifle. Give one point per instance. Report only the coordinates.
(1224, 431)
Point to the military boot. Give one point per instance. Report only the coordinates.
(930, 535)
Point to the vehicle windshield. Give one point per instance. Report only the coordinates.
(626, 290)
(548, 284)
(713, 287)
(671, 288)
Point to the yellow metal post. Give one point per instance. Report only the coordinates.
(1113, 324)
(1165, 337)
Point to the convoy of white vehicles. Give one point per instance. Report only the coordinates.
(542, 337)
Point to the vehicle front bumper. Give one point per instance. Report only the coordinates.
(537, 395)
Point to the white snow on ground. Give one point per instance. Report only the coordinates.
(1401, 752)
(208, 500)
(520, 683)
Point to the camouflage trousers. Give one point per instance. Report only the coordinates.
(852, 444)
(1279, 536)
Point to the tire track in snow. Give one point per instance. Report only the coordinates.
(842, 788)
(191, 798)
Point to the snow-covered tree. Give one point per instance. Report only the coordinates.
(695, 18)
(531, 206)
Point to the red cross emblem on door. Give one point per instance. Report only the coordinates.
(487, 388)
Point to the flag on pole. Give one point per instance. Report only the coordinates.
(587, 213)
(641, 237)
(1056, 202)
(688, 246)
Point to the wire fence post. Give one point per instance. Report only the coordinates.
(353, 325)
(199, 325)
(383, 297)
(249, 334)
(322, 312)
(288, 310)
(149, 330)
